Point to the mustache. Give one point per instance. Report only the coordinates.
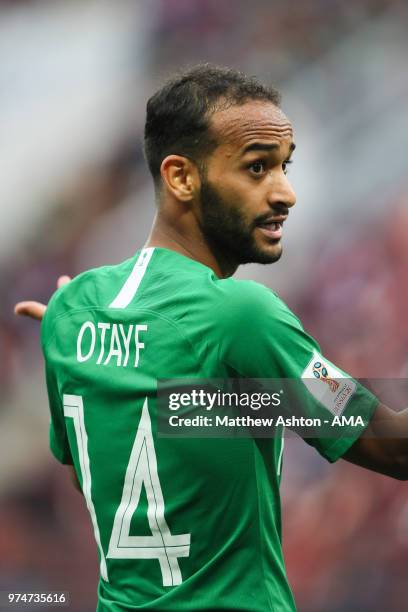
(277, 211)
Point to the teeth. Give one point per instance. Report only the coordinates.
(272, 225)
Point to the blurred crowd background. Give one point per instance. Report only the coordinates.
(75, 193)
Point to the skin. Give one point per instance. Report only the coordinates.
(237, 191)
(214, 215)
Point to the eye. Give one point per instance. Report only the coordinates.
(258, 167)
(286, 164)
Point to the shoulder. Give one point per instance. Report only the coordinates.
(258, 335)
(250, 303)
(90, 289)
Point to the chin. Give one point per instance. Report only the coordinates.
(269, 254)
(262, 254)
(268, 258)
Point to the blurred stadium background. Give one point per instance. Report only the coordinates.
(75, 193)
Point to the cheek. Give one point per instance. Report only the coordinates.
(239, 193)
(248, 200)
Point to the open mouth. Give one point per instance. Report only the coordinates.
(271, 229)
(272, 225)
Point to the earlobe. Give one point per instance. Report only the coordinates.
(177, 174)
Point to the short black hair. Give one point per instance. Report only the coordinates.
(177, 118)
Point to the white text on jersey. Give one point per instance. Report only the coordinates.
(110, 341)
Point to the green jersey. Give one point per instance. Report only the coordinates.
(180, 524)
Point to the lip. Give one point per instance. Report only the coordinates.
(279, 219)
(275, 234)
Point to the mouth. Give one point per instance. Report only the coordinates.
(272, 227)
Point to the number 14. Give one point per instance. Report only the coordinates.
(141, 470)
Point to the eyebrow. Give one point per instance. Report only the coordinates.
(263, 146)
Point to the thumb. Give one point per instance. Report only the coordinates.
(34, 310)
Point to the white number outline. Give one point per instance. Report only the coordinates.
(74, 408)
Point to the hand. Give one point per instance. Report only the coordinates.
(36, 310)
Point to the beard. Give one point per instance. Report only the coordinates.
(227, 232)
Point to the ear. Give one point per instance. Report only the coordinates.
(180, 176)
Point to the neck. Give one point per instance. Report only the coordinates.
(190, 243)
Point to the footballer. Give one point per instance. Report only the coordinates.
(194, 524)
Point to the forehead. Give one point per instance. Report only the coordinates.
(237, 126)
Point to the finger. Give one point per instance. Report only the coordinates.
(34, 310)
(63, 280)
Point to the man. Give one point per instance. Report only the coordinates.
(187, 524)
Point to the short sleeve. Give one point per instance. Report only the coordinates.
(264, 339)
(59, 444)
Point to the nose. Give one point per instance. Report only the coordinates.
(281, 191)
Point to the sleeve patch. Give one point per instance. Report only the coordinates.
(328, 384)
